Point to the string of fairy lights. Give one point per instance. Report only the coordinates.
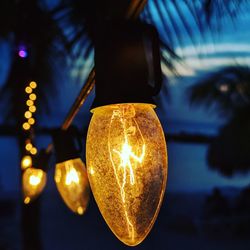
(125, 151)
(29, 122)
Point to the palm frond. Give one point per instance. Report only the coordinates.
(228, 88)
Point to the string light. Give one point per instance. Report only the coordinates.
(28, 90)
(127, 167)
(70, 173)
(29, 103)
(31, 121)
(33, 85)
(32, 97)
(72, 183)
(26, 126)
(27, 114)
(32, 109)
(26, 162)
(33, 151)
(33, 183)
(28, 146)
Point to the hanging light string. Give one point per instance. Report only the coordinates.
(28, 123)
(134, 10)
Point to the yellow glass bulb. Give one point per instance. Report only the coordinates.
(33, 183)
(28, 90)
(26, 161)
(31, 121)
(33, 151)
(29, 103)
(26, 126)
(32, 97)
(32, 109)
(72, 183)
(28, 146)
(127, 168)
(27, 114)
(33, 85)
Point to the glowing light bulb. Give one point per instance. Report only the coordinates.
(33, 85)
(127, 168)
(27, 114)
(32, 97)
(72, 183)
(31, 121)
(26, 126)
(33, 183)
(29, 103)
(28, 90)
(33, 151)
(28, 146)
(32, 109)
(26, 162)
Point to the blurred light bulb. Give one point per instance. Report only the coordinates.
(33, 151)
(33, 85)
(26, 162)
(32, 109)
(127, 168)
(33, 183)
(28, 146)
(27, 114)
(31, 121)
(72, 183)
(29, 103)
(28, 90)
(26, 126)
(32, 97)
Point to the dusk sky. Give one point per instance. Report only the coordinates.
(188, 170)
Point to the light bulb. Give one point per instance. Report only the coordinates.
(27, 114)
(33, 85)
(32, 97)
(26, 161)
(28, 90)
(72, 183)
(33, 183)
(26, 126)
(127, 168)
(32, 109)
(29, 103)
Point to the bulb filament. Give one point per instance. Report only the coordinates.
(127, 158)
(71, 176)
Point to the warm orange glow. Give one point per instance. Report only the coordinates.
(29, 103)
(72, 183)
(28, 146)
(26, 126)
(33, 85)
(127, 168)
(33, 183)
(33, 151)
(27, 114)
(31, 121)
(26, 162)
(32, 109)
(28, 90)
(32, 97)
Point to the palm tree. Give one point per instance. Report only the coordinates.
(228, 91)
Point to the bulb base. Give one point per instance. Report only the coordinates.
(127, 63)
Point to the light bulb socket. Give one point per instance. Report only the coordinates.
(41, 161)
(65, 144)
(127, 63)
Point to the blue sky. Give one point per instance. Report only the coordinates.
(187, 163)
